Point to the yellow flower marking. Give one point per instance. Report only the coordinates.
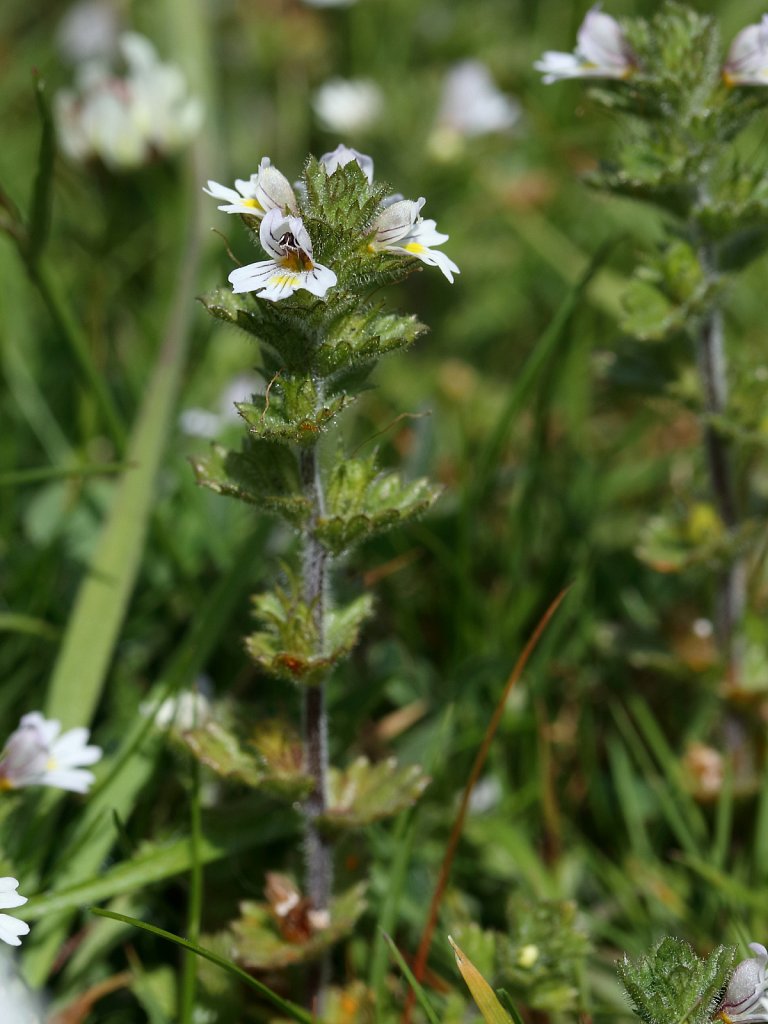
(254, 203)
(415, 247)
(6, 784)
(280, 279)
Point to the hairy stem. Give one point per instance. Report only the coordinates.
(317, 849)
(731, 583)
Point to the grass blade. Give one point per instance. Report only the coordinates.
(40, 210)
(195, 898)
(416, 989)
(295, 1012)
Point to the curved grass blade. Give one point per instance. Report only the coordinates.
(416, 988)
(291, 1009)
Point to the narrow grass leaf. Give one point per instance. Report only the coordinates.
(520, 393)
(665, 795)
(403, 838)
(194, 898)
(44, 474)
(40, 210)
(416, 988)
(12, 622)
(286, 1006)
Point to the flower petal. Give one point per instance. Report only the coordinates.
(252, 276)
(601, 41)
(395, 221)
(11, 928)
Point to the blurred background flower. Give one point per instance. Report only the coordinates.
(471, 104)
(348, 105)
(129, 120)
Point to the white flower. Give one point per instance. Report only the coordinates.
(267, 189)
(400, 228)
(127, 121)
(35, 755)
(472, 105)
(745, 998)
(602, 51)
(291, 267)
(343, 155)
(186, 710)
(10, 927)
(348, 105)
(20, 1005)
(88, 30)
(197, 422)
(747, 60)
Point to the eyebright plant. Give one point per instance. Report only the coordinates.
(684, 102)
(331, 240)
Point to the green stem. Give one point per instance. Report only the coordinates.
(317, 848)
(713, 370)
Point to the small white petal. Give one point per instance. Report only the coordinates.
(11, 928)
(274, 226)
(74, 780)
(602, 51)
(318, 280)
(601, 41)
(251, 277)
(222, 192)
(9, 897)
(396, 220)
(747, 60)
